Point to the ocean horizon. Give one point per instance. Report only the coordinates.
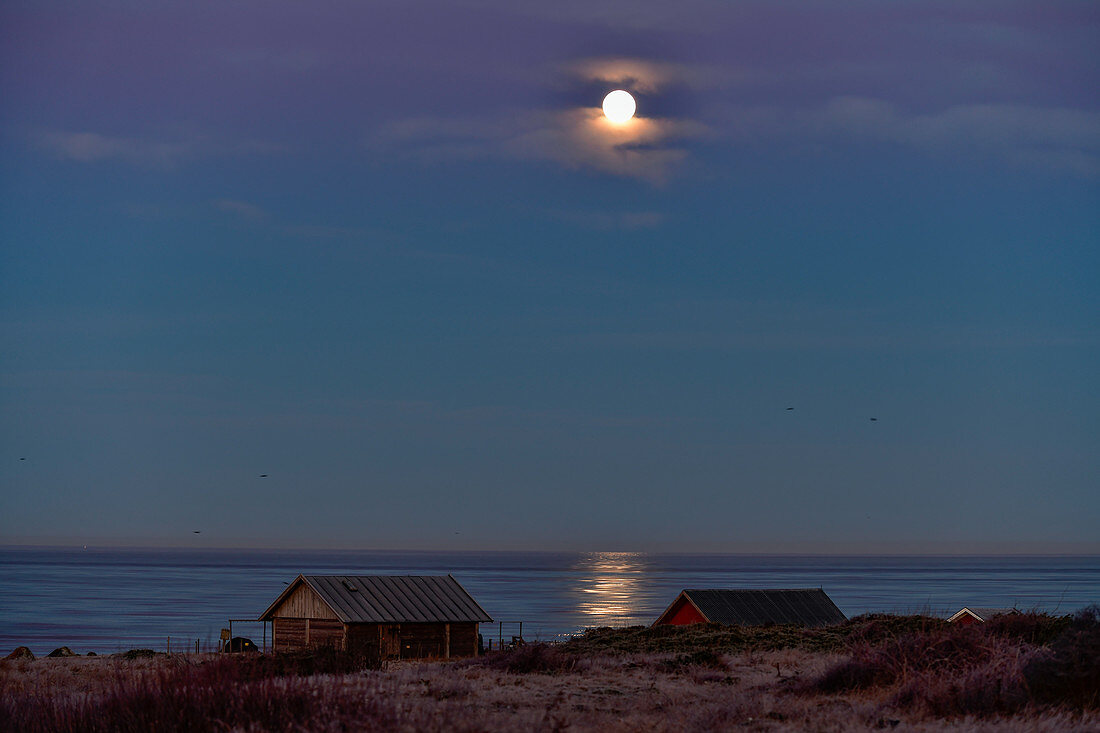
(112, 599)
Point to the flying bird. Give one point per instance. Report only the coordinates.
(874, 419)
(196, 531)
(263, 475)
(789, 409)
(22, 459)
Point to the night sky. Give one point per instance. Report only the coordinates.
(379, 275)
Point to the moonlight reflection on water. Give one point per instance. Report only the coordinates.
(610, 587)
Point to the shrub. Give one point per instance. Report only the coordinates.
(264, 692)
(704, 659)
(1031, 627)
(874, 628)
(868, 629)
(1069, 672)
(988, 669)
(546, 658)
(991, 684)
(133, 654)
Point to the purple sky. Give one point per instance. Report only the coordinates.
(390, 255)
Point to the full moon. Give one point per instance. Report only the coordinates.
(619, 106)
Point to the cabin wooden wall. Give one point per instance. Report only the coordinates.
(288, 634)
(323, 632)
(363, 639)
(303, 602)
(464, 640)
(386, 641)
(295, 634)
(682, 613)
(423, 641)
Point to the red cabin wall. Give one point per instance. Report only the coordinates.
(684, 613)
(966, 620)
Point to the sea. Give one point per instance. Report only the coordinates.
(114, 599)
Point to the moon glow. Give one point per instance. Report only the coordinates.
(619, 106)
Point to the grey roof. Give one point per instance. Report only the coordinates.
(801, 606)
(391, 598)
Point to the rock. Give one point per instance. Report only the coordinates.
(62, 651)
(91, 654)
(21, 652)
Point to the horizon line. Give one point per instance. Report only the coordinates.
(1088, 549)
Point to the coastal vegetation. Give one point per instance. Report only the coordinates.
(909, 672)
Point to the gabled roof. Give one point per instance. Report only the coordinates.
(389, 598)
(982, 613)
(801, 606)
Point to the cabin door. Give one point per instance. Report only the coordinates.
(391, 641)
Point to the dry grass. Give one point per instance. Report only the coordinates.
(596, 683)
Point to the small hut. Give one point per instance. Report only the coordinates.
(809, 607)
(967, 615)
(378, 616)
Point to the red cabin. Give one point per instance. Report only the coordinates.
(809, 607)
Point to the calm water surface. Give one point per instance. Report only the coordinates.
(107, 600)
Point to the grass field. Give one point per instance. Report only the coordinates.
(1028, 672)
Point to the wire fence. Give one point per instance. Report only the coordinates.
(243, 635)
(501, 635)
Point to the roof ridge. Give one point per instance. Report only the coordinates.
(392, 598)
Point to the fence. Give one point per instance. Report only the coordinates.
(175, 645)
(509, 634)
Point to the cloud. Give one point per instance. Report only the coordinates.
(324, 231)
(578, 137)
(609, 220)
(1055, 138)
(583, 138)
(93, 147)
(644, 148)
(242, 209)
(1030, 135)
(90, 147)
(632, 15)
(982, 124)
(649, 77)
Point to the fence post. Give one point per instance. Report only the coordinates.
(169, 646)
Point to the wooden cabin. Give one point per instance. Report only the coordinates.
(377, 616)
(976, 615)
(808, 607)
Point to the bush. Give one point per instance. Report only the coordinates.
(875, 628)
(1069, 672)
(133, 654)
(989, 669)
(704, 658)
(992, 684)
(1034, 628)
(868, 629)
(545, 658)
(262, 692)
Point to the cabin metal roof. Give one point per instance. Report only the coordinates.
(809, 607)
(390, 598)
